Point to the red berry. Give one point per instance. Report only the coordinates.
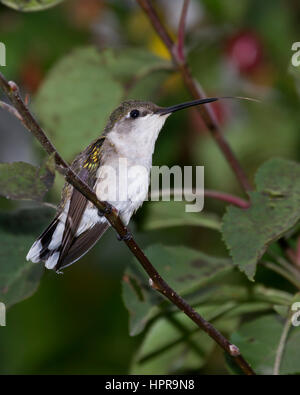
(244, 50)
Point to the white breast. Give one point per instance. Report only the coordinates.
(124, 184)
(124, 179)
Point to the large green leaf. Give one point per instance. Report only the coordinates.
(185, 270)
(258, 341)
(173, 344)
(19, 278)
(75, 100)
(30, 5)
(275, 208)
(20, 180)
(131, 64)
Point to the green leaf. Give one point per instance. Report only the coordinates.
(18, 278)
(147, 87)
(258, 342)
(132, 64)
(185, 270)
(22, 181)
(169, 214)
(275, 208)
(291, 361)
(75, 100)
(30, 5)
(176, 358)
(283, 311)
(174, 344)
(141, 303)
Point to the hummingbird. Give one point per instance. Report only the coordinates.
(130, 135)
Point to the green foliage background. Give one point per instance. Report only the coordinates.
(100, 316)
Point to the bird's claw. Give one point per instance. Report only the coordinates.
(126, 237)
(107, 210)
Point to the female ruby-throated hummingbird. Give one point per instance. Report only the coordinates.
(130, 135)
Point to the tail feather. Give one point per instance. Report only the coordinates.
(48, 247)
(52, 259)
(82, 244)
(35, 252)
(39, 250)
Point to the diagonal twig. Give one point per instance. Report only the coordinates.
(282, 272)
(281, 345)
(156, 281)
(194, 88)
(222, 196)
(181, 31)
(10, 109)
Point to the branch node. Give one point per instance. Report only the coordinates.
(128, 236)
(234, 350)
(106, 211)
(61, 169)
(27, 99)
(13, 86)
(154, 285)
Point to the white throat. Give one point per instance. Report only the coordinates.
(137, 141)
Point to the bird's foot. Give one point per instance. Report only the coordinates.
(126, 237)
(107, 210)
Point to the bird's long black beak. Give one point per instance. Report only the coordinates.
(181, 106)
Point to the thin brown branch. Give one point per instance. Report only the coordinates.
(222, 196)
(226, 197)
(159, 28)
(10, 109)
(157, 281)
(181, 31)
(197, 93)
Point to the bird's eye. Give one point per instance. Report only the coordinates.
(134, 114)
